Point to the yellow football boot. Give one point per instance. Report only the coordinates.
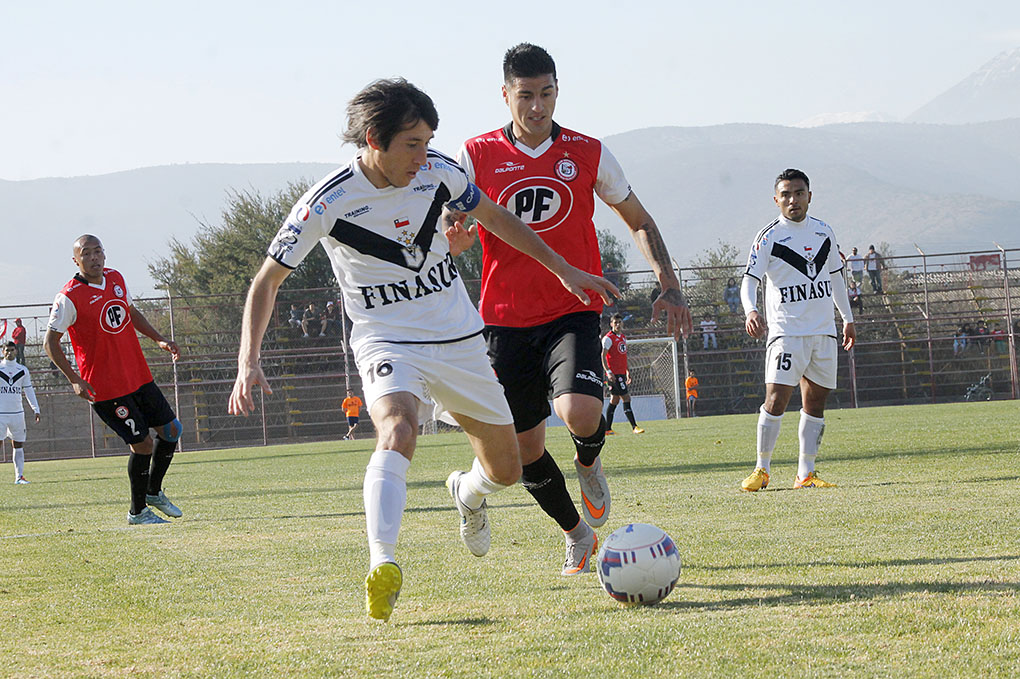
(758, 480)
(382, 587)
(812, 481)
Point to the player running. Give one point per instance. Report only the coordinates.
(799, 258)
(96, 311)
(352, 409)
(15, 383)
(414, 326)
(541, 339)
(614, 361)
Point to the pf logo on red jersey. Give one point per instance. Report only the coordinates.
(541, 202)
(114, 316)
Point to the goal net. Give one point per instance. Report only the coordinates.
(655, 371)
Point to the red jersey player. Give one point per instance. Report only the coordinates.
(96, 311)
(614, 360)
(539, 339)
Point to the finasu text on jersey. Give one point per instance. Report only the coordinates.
(798, 293)
(438, 278)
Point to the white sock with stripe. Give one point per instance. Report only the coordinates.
(768, 433)
(810, 433)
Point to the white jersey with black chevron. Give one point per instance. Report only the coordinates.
(15, 382)
(801, 266)
(388, 252)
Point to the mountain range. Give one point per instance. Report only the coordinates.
(946, 179)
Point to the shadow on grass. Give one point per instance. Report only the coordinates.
(800, 594)
(742, 465)
(468, 622)
(934, 561)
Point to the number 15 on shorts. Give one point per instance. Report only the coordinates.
(783, 361)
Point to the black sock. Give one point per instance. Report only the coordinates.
(610, 413)
(544, 480)
(138, 475)
(629, 413)
(162, 454)
(589, 447)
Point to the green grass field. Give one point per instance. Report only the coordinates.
(911, 568)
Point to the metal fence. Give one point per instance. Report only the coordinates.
(910, 350)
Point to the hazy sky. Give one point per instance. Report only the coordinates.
(96, 87)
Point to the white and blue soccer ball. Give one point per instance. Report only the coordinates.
(638, 564)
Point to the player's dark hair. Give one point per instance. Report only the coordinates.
(616, 317)
(10, 345)
(386, 107)
(791, 174)
(527, 61)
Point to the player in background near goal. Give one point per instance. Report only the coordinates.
(541, 339)
(352, 409)
(798, 257)
(414, 326)
(614, 361)
(15, 382)
(96, 311)
(691, 386)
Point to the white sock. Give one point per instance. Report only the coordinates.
(768, 433)
(385, 492)
(19, 463)
(475, 485)
(810, 432)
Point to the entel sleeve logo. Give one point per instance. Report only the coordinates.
(114, 316)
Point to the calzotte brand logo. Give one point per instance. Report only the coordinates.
(114, 317)
(588, 375)
(541, 202)
(357, 212)
(508, 166)
(95, 298)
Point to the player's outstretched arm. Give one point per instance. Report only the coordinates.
(507, 227)
(649, 241)
(143, 326)
(258, 308)
(52, 346)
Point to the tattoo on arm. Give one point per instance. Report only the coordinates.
(674, 296)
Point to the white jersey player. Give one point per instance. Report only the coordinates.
(415, 328)
(798, 259)
(15, 384)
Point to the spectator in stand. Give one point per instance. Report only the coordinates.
(875, 264)
(312, 319)
(295, 316)
(981, 334)
(855, 296)
(999, 336)
(691, 384)
(960, 340)
(332, 319)
(731, 295)
(856, 262)
(708, 326)
(18, 336)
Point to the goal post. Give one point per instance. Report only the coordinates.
(654, 365)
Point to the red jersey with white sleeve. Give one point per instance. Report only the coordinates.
(551, 188)
(97, 318)
(615, 347)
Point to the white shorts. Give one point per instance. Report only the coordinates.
(787, 359)
(12, 425)
(457, 377)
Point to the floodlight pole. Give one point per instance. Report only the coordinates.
(1013, 377)
(927, 321)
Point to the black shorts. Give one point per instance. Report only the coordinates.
(351, 421)
(133, 415)
(533, 364)
(618, 385)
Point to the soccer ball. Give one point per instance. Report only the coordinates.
(638, 564)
